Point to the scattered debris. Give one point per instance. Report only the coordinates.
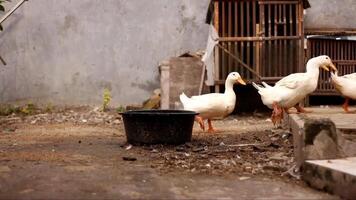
(127, 158)
(244, 178)
(128, 147)
(81, 115)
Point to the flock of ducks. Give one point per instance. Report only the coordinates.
(285, 94)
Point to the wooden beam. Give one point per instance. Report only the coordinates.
(255, 38)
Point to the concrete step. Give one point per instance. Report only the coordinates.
(337, 176)
(325, 149)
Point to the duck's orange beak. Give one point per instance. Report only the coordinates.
(242, 82)
(332, 66)
(325, 67)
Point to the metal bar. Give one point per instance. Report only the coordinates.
(239, 60)
(12, 11)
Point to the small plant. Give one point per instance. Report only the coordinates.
(120, 109)
(49, 108)
(28, 109)
(106, 99)
(6, 110)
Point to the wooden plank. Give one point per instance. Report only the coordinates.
(254, 38)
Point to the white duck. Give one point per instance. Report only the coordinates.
(213, 105)
(292, 89)
(346, 85)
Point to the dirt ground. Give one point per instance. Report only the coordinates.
(83, 154)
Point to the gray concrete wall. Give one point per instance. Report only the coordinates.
(331, 14)
(68, 51)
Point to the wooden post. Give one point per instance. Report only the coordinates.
(165, 85)
(216, 51)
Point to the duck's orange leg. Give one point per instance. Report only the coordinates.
(301, 109)
(286, 110)
(200, 121)
(211, 129)
(277, 114)
(345, 106)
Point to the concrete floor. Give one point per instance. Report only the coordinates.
(63, 161)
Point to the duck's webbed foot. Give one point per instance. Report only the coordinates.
(277, 114)
(200, 121)
(211, 129)
(300, 109)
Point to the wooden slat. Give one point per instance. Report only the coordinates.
(229, 24)
(236, 11)
(269, 42)
(248, 21)
(263, 46)
(278, 2)
(242, 31)
(284, 49)
(240, 39)
(223, 67)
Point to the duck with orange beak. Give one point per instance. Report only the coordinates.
(346, 86)
(292, 89)
(213, 105)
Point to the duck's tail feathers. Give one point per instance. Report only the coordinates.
(183, 98)
(266, 85)
(258, 87)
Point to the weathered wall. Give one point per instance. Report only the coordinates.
(331, 14)
(68, 51)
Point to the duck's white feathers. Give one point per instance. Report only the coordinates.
(288, 91)
(346, 84)
(210, 105)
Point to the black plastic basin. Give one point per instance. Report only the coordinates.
(158, 126)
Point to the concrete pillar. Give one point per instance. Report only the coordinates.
(164, 69)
